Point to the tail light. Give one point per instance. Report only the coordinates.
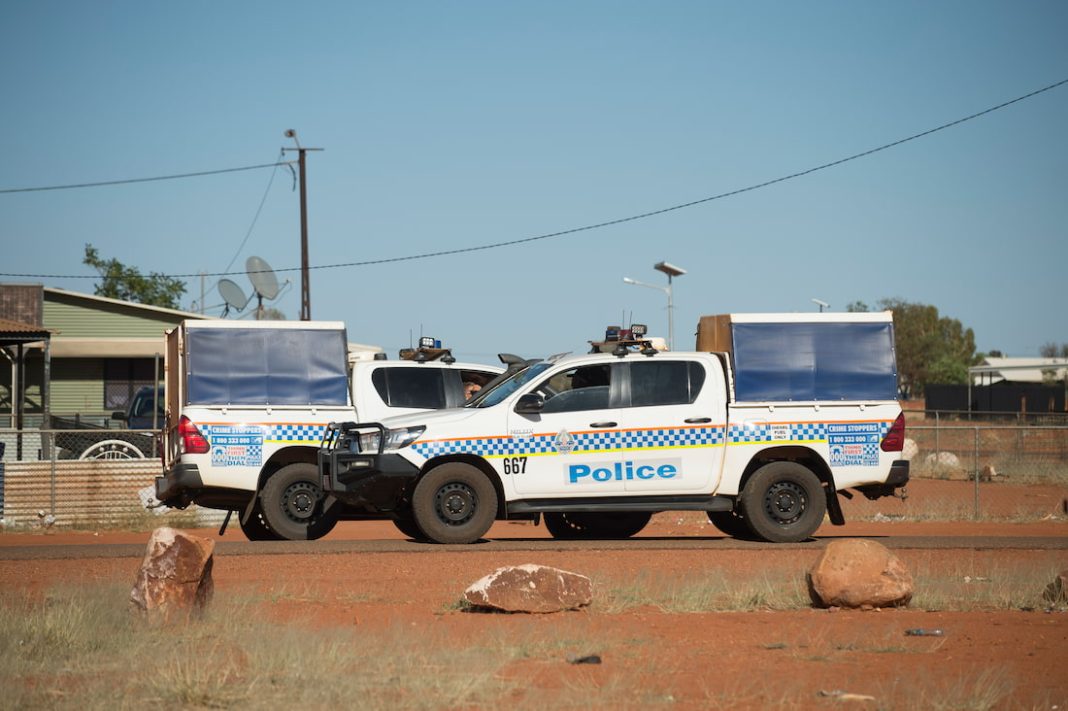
(192, 441)
(894, 441)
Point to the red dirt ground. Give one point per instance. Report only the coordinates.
(688, 660)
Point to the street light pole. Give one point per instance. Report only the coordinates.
(672, 271)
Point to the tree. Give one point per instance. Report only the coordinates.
(930, 348)
(1052, 350)
(128, 284)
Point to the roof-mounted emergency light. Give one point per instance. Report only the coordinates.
(429, 349)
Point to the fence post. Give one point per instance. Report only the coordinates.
(52, 488)
(937, 450)
(976, 473)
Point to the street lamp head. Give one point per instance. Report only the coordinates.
(670, 269)
(628, 280)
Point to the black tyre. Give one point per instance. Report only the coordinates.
(294, 506)
(406, 524)
(783, 502)
(454, 503)
(585, 525)
(256, 528)
(730, 523)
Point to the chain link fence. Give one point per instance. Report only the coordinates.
(85, 478)
(991, 469)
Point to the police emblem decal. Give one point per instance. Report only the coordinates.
(564, 442)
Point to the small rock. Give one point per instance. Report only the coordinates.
(530, 588)
(175, 576)
(844, 695)
(587, 659)
(1056, 592)
(856, 572)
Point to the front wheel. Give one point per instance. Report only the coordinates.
(730, 523)
(783, 502)
(406, 524)
(454, 503)
(294, 505)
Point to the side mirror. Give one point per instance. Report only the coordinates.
(120, 416)
(530, 404)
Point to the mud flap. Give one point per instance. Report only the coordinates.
(834, 508)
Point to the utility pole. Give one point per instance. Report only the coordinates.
(305, 287)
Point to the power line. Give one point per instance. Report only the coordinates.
(256, 217)
(127, 181)
(621, 220)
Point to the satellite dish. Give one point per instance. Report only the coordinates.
(233, 295)
(262, 277)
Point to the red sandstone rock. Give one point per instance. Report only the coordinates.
(175, 575)
(857, 573)
(530, 588)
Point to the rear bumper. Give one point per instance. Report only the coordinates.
(176, 486)
(896, 479)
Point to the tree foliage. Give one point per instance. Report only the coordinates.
(1053, 350)
(930, 348)
(128, 284)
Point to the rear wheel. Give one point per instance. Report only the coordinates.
(784, 502)
(454, 503)
(584, 524)
(294, 506)
(256, 528)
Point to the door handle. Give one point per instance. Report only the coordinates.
(602, 424)
(698, 420)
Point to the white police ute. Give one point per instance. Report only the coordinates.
(762, 437)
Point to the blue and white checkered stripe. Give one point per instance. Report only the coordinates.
(798, 432)
(601, 441)
(294, 432)
(284, 433)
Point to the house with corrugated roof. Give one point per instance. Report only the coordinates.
(97, 353)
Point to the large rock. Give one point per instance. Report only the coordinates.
(859, 573)
(175, 575)
(1056, 593)
(910, 449)
(530, 588)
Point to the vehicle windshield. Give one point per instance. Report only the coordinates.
(488, 397)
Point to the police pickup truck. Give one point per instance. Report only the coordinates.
(762, 435)
(248, 404)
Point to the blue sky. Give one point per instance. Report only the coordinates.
(450, 125)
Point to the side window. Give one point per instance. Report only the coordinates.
(142, 406)
(422, 388)
(582, 388)
(665, 382)
(472, 381)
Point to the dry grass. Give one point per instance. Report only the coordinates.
(970, 585)
(707, 593)
(82, 649)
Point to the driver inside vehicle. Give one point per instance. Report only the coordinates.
(583, 388)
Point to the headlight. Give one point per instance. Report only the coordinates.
(395, 439)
